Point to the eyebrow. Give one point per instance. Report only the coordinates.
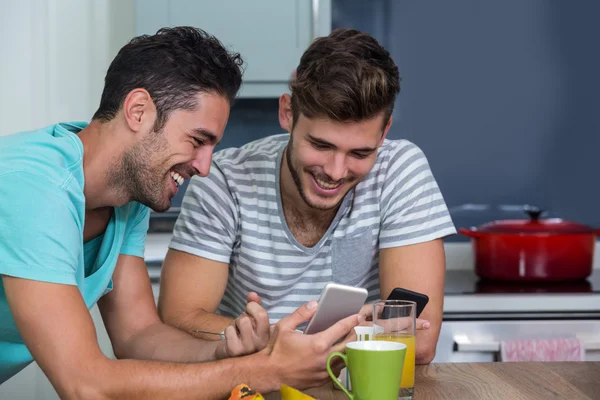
(206, 134)
(360, 150)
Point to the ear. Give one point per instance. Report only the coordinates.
(386, 130)
(285, 112)
(139, 111)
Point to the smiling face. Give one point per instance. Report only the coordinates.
(326, 158)
(154, 167)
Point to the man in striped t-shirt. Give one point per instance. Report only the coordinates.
(333, 201)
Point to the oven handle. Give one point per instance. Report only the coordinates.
(464, 343)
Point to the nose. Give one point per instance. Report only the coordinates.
(335, 167)
(202, 161)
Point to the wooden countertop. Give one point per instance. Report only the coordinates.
(483, 381)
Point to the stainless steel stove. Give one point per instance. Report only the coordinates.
(479, 314)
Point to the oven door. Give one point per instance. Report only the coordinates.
(476, 338)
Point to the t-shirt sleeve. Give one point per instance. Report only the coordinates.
(413, 208)
(40, 229)
(207, 222)
(136, 230)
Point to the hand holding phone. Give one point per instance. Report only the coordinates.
(336, 303)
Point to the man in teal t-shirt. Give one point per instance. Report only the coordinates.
(74, 209)
(43, 214)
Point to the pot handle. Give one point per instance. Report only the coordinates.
(473, 233)
(534, 213)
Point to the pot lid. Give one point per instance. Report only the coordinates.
(535, 225)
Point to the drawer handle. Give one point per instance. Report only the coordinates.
(463, 343)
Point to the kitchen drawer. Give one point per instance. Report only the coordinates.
(479, 341)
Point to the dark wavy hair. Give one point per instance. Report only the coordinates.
(174, 65)
(346, 76)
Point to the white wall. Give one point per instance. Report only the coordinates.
(54, 54)
(53, 57)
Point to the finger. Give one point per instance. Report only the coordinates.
(367, 312)
(299, 316)
(340, 329)
(244, 326)
(261, 322)
(341, 346)
(254, 297)
(351, 336)
(395, 324)
(423, 324)
(234, 343)
(245, 314)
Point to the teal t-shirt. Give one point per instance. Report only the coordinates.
(42, 214)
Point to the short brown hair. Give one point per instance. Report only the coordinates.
(347, 77)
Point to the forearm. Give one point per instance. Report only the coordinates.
(201, 320)
(421, 268)
(134, 379)
(426, 345)
(427, 338)
(161, 342)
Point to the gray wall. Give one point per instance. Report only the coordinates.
(503, 97)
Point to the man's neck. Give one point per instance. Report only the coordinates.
(101, 150)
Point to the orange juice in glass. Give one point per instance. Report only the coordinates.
(395, 321)
(408, 373)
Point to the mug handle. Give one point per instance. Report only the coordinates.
(332, 375)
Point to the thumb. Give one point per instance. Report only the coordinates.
(254, 297)
(423, 324)
(301, 315)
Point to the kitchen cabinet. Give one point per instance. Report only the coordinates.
(271, 35)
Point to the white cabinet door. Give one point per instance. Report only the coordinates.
(271, 35)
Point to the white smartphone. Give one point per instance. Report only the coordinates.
(336, 303)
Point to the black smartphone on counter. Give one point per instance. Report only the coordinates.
(408, 295)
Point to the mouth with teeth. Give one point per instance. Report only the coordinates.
(326, 187)
(177, 178)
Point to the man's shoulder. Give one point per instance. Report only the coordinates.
(394, 146)
(393, 157)
(395, 152)
(264, 149)
(52, 154)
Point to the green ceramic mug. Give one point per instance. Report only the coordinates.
(375, 369)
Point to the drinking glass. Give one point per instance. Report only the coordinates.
(395, 321)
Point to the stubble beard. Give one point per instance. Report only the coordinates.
(133, 177)
(298, 182)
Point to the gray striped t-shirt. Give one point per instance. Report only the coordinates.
(234, 216)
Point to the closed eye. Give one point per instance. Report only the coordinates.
(320, 146)
(360, 155)
(198, 142)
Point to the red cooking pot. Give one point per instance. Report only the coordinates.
(533, 249)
